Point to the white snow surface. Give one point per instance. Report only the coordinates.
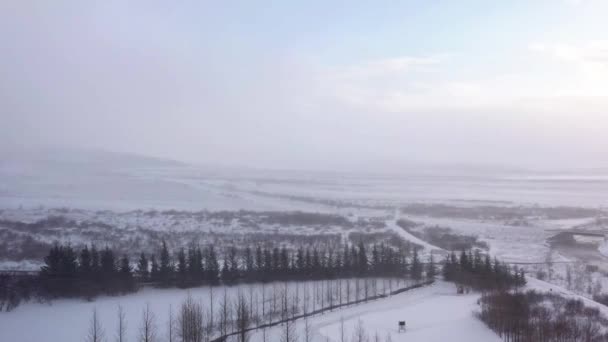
(432, 314)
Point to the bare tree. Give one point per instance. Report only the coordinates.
(147, 330)
(308, 333)
(376, 337)
(314, 296)
(295, 303)
(329, 294)
(96, 333)
(122, 325)
(389, 337)
(243, 318)
(255, 310)
(360, 335)
(211, 312)
(274, 300)
(171, 325)
(288, 332)
(348, 290)
(263, 304)
(340, 291)
(207, 330)
(190, 321)
(225, 313)
(306, 299)
(342, 330)
(374, 287)
(251, 301)
(322, 294)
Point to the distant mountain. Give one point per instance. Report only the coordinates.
(63, 157)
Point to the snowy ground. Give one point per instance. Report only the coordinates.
(433, 314)
(68, 320)
(130, 187)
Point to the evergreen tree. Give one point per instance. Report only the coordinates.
(268, 275)
(125, 266)
(363, 263)
(416, 268)
(284, 262)
(355, 260)
(182, 268)
(329, 263)
(431, 270)
(95, 263)
(464, 260)
(192, 267)
(233, 263)
(154, 269)
(108, 263)
(249, 262)
(448, 268)
(316, 263)
(276, 262)
(212, 266)
(127, 284)
(166, 268)
(142, 267)
(259, 260)
(300, 261)
(347, 262)
(200, 267)
(337, 265)
(226, 276)
(375, 264)
(308, 264)
(85, 262)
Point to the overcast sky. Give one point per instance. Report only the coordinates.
(310, 84)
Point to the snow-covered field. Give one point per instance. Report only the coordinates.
(432, 313)
(135, 201)
(67, 320)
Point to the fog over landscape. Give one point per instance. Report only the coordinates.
(304, 171)
(309, 86)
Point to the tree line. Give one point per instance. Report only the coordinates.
(286, 307)
(89, 271)
(480, 272)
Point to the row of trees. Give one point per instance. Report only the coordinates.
(541, 317)
(89, 271)
(194, 266)
(67, 272)
(235, 314)
(477, 271)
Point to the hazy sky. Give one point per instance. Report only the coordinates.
(310, 83)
